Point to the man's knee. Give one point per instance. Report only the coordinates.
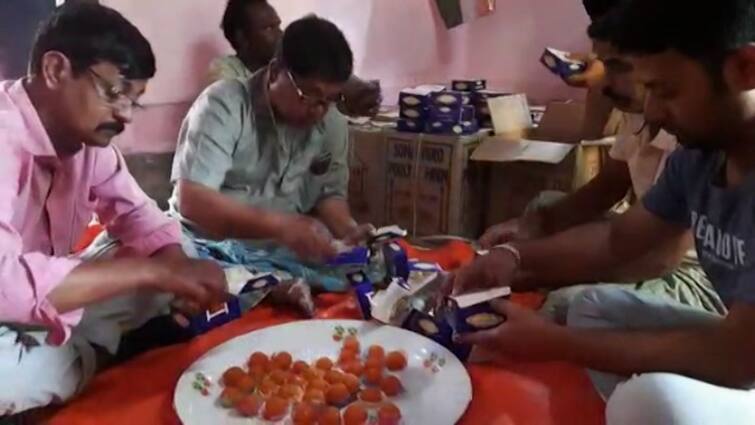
(589, 307)
(650, 399)
(558, 302)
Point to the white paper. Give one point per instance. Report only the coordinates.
(539, 151)
(474, 298)
(385, 124)
(424, 90)
(564, 56)
(383, 302)
(606, 141)
(390, 114)
(358, 120)
(510, 113)
(522, 150)
(237, 277)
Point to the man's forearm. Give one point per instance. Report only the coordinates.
(595, 250)
(334, 212)
(223, 217)
(590, 202)
(580, 254)
(657, 263)
(170, 253)
(96, 281)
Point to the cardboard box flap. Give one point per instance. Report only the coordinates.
(562, 122)
(510, 113)
(474, 298)
(604, 142)
(500, 150)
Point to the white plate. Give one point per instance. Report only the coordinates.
(438, 388)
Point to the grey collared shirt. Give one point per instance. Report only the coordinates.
(230, 142)
(228, 68)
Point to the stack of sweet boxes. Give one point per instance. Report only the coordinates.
(410, 301)
(479, 95)
(414, 107)
(439, 112)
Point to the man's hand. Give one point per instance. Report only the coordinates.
(489, 271)
(591, 76)
(358, 234)
(500, 233)
(529, 226)
(524, 335)
(306, 237)
(200, 282)
(361, 98)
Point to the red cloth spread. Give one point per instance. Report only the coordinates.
(141, 391)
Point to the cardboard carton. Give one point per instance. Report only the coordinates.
(367, 175)
(431, 187)
(458, 185)
(520, 166)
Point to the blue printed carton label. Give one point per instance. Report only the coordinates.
(416, 113)
(260, 282)
(473, 312)
(410, 126)
(396, 261)
(460, 128)
(469, 85)
(452, 114)
(449, 98)
(357, 256)
(364, 294)
(431, 327)
(408, 99)
(215, 317)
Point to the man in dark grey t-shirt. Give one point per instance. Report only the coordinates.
(658, 361)
(694, 192)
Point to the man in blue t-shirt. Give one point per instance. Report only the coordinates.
(657, 361)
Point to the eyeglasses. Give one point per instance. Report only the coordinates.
(113, 96)
(313, 101)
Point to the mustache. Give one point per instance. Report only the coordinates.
(115, 127)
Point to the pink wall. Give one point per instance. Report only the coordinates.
(401, 42)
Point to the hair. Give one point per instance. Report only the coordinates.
(602, 29)
(705, 31)
(88, 33)
(313, 47)
(234, 18)
(599, 8)
(19, 20)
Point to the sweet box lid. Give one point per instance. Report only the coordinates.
(474, 298)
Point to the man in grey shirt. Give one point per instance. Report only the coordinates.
(266, 158)
(252, 28)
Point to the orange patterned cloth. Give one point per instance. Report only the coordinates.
(141, 391)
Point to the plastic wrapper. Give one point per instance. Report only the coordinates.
(294, 293)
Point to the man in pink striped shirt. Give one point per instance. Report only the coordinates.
(58, 170)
